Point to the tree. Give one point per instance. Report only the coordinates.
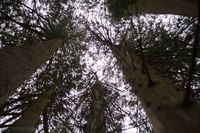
(163, 101)
(28, 39)
(168, 107)
(40, 34)
(178, 7)
(64, 71)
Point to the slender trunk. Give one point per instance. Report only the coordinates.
(30, 116)
(18, 63)
(96, 118)
(45, 120)
(179, 7)
(162, 101)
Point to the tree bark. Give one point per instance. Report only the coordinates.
(30, 116)
(18, 63)
(161, 101)
(178, 7)
(96, 118)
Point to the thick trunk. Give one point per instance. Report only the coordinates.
(96, 118)
(161, 101)
(18, 63)
(179, 7)
(30, 116)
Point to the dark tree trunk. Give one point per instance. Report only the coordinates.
(17, 64)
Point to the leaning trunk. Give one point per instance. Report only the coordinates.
(18, 63)
(30, 116)
(179, 7)
(161, 100)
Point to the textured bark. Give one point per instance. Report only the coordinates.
(179, 7)
(161, 101)
(96, 118)
(29, 118)
(18, 63)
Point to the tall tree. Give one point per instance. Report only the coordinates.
(40, 27)
(163, 101)
(64, 71)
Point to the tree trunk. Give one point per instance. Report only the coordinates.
(30, 116)
(45, 119)
(179, 7)
(18, 63)
(162, 101)
(96, 118)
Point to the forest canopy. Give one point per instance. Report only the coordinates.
(93, 67)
